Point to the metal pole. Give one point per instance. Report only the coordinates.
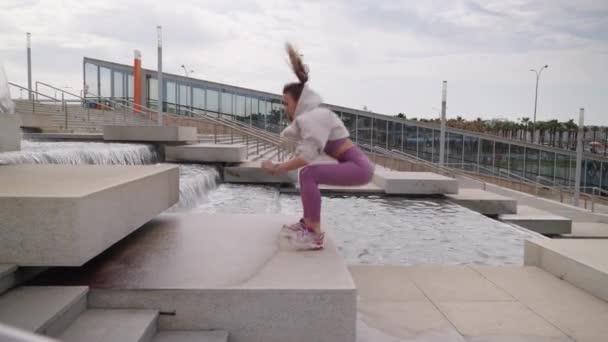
(444, 95)
(29, 66)
(538, 73)
(65, 108)
(579, 158)
(160, 75)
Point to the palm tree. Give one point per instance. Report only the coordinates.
(526, 122)
(571, 127)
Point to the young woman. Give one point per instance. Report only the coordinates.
(318, 130)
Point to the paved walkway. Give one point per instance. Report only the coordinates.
(474, 303)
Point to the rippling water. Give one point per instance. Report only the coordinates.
(377, 230)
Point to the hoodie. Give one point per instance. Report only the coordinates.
(313, 126)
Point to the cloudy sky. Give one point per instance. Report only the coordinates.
(390, 56)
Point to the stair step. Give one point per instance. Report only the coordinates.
(7, 276)
(191, 336)
(99, 325)
(43, 309)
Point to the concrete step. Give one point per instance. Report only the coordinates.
(207, 153)
(252, 173)
(581, 262)
(191, 336)
(484, 202)
(539, 221)
(45, 310)
(7, 276)
(99, 325)
(414, 183)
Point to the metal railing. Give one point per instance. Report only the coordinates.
(283, 145)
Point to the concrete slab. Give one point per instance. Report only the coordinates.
(64, 215)
(539, 221)
(499, 321)
(455, 283)
(211, 153)
(542, 308)
(41, 309)
(10, 133)
(367, 189)
(111, 326)
(64, 136)
(484, 202)
(581, 262)
(588, 230)
(259, 288)
(150, 133)
(574, 311)
(414, 183)
(191, 336)
(252, 173)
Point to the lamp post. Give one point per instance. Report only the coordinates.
(189, 88)
(538, 73)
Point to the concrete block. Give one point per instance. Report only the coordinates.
(251, 172)
(10, 133)
(112, 325)
(150, 133)
(64, 215)
(43, 309)
(191, 336)
(539, 221)
(7, 276)
(484, 202)
(228, 272)
(414, 183)
(581, 262)
(367, 189)
(32, 120)
(211, 153)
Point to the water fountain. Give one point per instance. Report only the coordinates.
(10, 131)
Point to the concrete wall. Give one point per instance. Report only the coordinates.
(10, 133)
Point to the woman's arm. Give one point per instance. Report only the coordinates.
(292, 164)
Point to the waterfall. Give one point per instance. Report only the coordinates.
(74, 153)
(195, 183)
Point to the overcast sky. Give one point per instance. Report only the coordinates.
(388, 55)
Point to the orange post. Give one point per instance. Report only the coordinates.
(137, 81)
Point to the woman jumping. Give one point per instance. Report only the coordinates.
(317, 130)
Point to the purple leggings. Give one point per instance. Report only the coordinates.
(354, 168)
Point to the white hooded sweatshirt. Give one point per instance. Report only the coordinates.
(313, 126)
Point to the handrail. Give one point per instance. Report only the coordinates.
(67, 92)
(33, 92)
(406, 157)
(223, 122)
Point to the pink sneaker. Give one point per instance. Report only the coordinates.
(290, 231)
(307, 240)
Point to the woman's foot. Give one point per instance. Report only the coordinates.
(306, 240)
(292, 230)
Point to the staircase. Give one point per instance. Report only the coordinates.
(52, 118)
(62, 313)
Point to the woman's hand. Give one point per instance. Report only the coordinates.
(269, 167)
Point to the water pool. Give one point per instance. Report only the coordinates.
(370, 230)
(388, 230)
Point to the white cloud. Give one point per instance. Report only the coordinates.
(390, 56)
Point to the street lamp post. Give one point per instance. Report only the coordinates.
(29, 66)
(189, 88)
(538, 73)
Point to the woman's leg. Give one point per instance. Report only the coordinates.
(343, 174)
